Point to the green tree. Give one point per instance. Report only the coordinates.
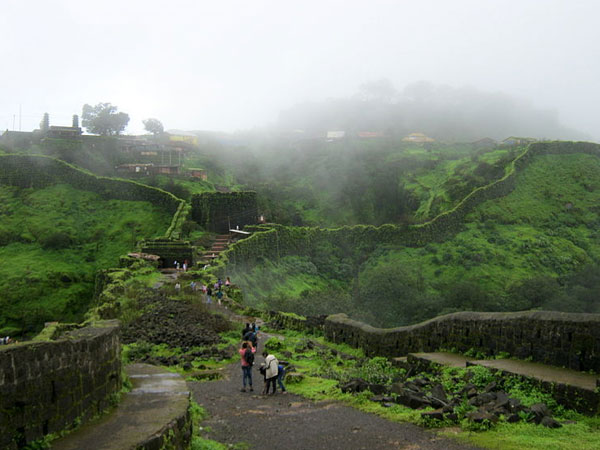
(104, 119)
(153, 126)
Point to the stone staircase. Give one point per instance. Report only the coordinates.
(220, 244)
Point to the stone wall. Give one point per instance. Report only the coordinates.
(561, 339)
(221, 211)
(48, 386)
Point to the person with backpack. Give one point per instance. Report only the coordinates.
(280, 377)
(247, 357)
(271, 371)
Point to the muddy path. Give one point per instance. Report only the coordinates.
(287, 421)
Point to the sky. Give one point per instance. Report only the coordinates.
(230, 65)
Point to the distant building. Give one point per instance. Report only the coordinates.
(418, 138)
(370, 134)
(135, 169)
(484, 143)
(57, 132)
(514, 140)
(186, 139)
(166, 170)
(335, 135)
(198, 173)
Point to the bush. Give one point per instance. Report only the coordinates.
(56, 240)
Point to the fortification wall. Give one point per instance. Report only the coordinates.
(46, 387)
(276, 241)
(221, 211)
(40, 171)
(561, 339)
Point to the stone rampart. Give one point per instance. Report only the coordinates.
(49, 386)
(560, 339)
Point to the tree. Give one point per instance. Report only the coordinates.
(153, 126)
(103, 119)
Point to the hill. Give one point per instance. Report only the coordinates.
(536, 247)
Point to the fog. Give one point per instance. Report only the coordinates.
(241, 65)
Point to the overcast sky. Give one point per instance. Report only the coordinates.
(229, 64)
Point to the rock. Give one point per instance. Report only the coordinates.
(293, 377)
(550, 422)
(513, 418)
(412, 400)
(514, 405)
(480, 416)
(482, 399)
(377, 398)
(471, 393)
(378, 389)
(491, 387)
(187, 366)
(437, 415)
(439, 393)
(354, 385)
(539, 411)
(452, 416)
(502, 399)
(387, 404)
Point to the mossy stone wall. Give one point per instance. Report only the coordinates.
(561, 339)
(221, 211)
(46, 387)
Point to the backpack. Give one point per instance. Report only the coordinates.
(249, 357)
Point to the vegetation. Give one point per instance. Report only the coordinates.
(104, 119)
(52, 243)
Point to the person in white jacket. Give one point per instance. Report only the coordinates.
(271, 365)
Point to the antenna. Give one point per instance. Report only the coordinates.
(19, 117)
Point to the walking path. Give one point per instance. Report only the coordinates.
(291, 422)
(157, 404)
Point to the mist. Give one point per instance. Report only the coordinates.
(509, 68)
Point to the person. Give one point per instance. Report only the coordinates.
(185, 266)
(227, 282)
(271, 371)
(245, 330)
(208, 295)
(280, 377)
(220, 283)
(5, 340)
(176, 264)
(219, 296)
(251, 336)
(247, 358)
(177, 287)
(193, 286)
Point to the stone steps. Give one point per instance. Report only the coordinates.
(571, 388)
(154, 414)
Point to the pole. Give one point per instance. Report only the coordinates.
(19, 117)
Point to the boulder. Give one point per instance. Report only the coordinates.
(550, 422)
(437, 415)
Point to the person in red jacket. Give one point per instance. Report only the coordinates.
(247, 356)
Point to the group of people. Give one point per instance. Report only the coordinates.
(5, 340)
(208, 291)
(178, 266)
(271, 369)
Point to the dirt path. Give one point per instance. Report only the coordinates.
(291, 422)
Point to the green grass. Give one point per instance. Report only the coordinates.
(54, 240)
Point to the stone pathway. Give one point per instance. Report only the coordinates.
(157, 403)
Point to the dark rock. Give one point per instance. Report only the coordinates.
(354, 385)
(480, 416)
(378, 389)
(387, 404)
(472, 393)
(412, 386)
(539, 411)
(493, 386)
(482, 399)
(187, 366)
(377, 398)
(502, 399)
(514, 405)
(550, 422)
(452, 416)
(439, 393)
(513, 418)
(437, 415)
(412, 400)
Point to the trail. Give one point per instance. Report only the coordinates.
(291, 422)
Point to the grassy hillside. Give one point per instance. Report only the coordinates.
(537, 247)
(52, 242)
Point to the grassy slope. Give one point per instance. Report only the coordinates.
(528, 233)
(40, 284)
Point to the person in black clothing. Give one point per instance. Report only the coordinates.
(245, 331)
